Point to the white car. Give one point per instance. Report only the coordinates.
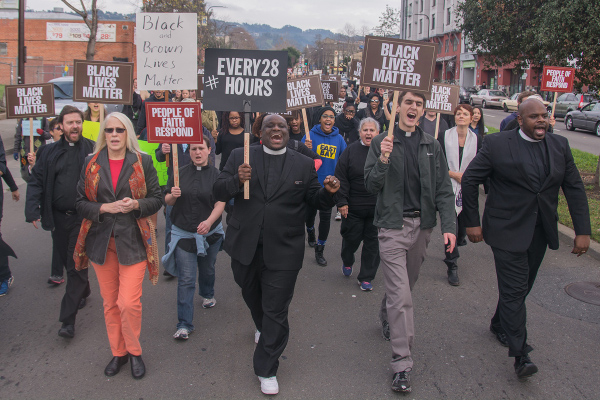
(488, 98)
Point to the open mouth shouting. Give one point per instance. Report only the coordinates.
(276, 138)
(411, 118)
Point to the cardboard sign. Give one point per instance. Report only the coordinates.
(331, 91)
(174, 123)
(103, 82)
(398, 64)
(293, 114)
(558, 79)
(304, 92)
(167, 47)
(200, 90)
(355, 69)
(25, 129)
(29, 101)
(232, 76)
(443, 98)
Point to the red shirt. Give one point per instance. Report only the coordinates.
(115, 171)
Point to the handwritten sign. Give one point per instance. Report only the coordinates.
(398, 64)
(232, 76)
(30, 101)
(304, 92)
(558, 79)
(167, 45)
(174, 123)
(330, 90)
(103, 82)
(443, 99)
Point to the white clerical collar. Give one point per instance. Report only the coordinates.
(274, 152)
(525, 137)
(363, 143)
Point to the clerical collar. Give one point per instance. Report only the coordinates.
(363, 143)
(71, 143)
(200, 167)
(274, 152)
(527, 138)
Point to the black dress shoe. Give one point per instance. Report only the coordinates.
(67, 331)
(138, 369)
(114, 366)
(502, 338)
(453, 276)
(524, 368)
(82, 303)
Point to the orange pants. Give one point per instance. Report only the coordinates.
(121, 290)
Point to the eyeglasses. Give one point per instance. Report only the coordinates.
(328, 116)
(111, 130)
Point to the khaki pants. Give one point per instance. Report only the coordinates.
(402, 252)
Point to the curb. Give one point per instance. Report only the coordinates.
(567, 235)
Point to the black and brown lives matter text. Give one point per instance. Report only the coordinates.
(102, 82)
(300, 93)
(440, 99)
(248, 76)
(30, 101)
(154, 53)
(398, 65)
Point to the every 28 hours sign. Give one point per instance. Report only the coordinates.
(174, 123)
(444, 98)
(398, 64)
(233, 76)
(30, 101)
(103, 82)
(304, 92)
(167, 45)
(558, 79)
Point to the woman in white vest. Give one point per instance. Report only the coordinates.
(460, 145)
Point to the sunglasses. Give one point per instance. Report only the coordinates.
(374, 101)
(111, 130)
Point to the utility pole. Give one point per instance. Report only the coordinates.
(21, 54)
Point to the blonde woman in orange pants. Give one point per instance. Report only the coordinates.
(117, 193)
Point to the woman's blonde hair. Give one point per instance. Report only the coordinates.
(131, 144)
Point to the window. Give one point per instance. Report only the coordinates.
(562, 97)
(454, 44)
(420, 26)
(446, 47)
(3, 49)
(433, 21)
(421, 5)
(448, 17)
(410, 10)
(439, 47)
(432, 3)
(409, 29)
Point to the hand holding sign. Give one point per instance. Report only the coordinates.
(244, 173)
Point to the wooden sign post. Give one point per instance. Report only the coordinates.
(557, 79)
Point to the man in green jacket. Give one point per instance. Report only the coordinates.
(409, 175)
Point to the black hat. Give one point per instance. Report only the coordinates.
(317, 115)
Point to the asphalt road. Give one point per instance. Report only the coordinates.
(335, 349)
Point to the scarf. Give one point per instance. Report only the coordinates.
(137, 184)
(469, 151)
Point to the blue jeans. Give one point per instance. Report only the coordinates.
(188, 265)
(168, 225)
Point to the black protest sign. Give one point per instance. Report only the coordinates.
(443, 98)
(200, 91)
(104, 82)
(304, 92)
(29, 101)
(331, 90)
(355, 69)
(232, 77)
(398, 64)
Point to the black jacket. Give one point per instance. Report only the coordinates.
(512, 204)
(40, 188)
(184, 157)
(281, 216)
(141, 124)
(128, 239)
(6, 175)
(350, 170)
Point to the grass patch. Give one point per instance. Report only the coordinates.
(586, 162)
(565, 218)
(492, 129)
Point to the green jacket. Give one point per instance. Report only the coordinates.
(387, 182)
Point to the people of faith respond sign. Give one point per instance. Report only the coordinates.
(444, 98)
(167, 46)
(558, 79)
(103, 82)
(30, 101)
(304, 92)
(174, 123)
(398, 64)
(234, 76)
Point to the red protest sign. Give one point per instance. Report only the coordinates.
(558, 79)
(174, 123)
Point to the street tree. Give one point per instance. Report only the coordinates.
(293, 56)
(389, 22)
(91, 20)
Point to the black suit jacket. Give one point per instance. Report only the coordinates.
(512, 204)
(281, 216)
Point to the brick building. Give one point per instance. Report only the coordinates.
(54, 40)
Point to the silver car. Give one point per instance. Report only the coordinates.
(488, 98)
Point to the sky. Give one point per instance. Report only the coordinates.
(304, 14)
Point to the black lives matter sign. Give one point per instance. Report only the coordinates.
(103, 82)
(398, 64)
(304, 92)
(232, 77)
(443, 98)
(355, 69)
(331, 90)
(30, 101)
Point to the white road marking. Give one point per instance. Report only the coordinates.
(490, 115)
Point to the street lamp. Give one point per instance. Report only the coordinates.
(426, 16)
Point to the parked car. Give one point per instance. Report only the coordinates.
(63, 95)
(568, 102)
(512, 104)
(488, 98)
(586, 118)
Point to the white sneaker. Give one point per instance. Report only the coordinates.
(208, 303)
(181, 334)
(338, 216)
(269, 385)
(256, 336)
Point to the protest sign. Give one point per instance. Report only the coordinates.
(29, 101)
(27, 128)
(174, 123)
(355, 69)
(330, 90)
(557, 79)
(104, 82)
(398, 64)
(304, 92)
(167, 47)
(200, 90)
(255, 76)
(443, 98)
